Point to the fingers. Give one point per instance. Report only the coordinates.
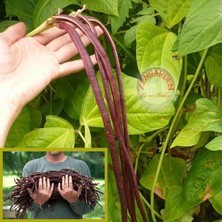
(65, 49)
(14, 33)
(52, 36)
(47, 36)
(40, 184)
(44, 184)
(66, 183)
(73, 66)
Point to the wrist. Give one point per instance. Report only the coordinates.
(74, 203)
(38, 203)
(73, 200)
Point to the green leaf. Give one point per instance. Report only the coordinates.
(57, 133)
(175, 206)
(204, 179)
(206, 117)
(213, 65)
(142, 116)
(27, 120)
(215, 144)
(104, 6)
(216, 202)
(45, 9)
(154, 46)
(123, 10)
(22, 9)
(172, 173)
(202, 27)
(172, 12)
(55, 121)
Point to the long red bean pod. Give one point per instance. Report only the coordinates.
(114, 115)
(101, 104)
(127, 178)
(21, 199)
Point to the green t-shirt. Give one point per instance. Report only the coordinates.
(59, 209)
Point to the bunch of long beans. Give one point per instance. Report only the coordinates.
(114, 113)
(21, 199)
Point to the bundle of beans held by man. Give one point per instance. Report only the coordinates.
(110, 100)
(21, 199)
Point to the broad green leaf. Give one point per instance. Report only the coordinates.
(57, 133)
(47, 8)
(104, 6)
(144, 114)
(123, 10)
(175, 206)
(206, 117)
(22, 9)
(204, 179)
(172, 173)
(27, 120)
(172, 12)
(141, 115)
(160, 72)
(216, 202)
(215, 144)
(202, 27)
(213, 65)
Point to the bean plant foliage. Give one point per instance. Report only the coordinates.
(170, 54)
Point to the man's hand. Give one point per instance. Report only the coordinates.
(29, 64)
(43, 193)
(66, 190)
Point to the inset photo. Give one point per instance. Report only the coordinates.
(55, 184)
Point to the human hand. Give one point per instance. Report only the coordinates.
(29, 64)
(43, 193)
(66, 190)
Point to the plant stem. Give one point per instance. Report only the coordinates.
(182, 92)
(175, 119)
(49, 23)
(137, 158)
(149, 206)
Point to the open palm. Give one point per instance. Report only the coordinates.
(29, 64)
